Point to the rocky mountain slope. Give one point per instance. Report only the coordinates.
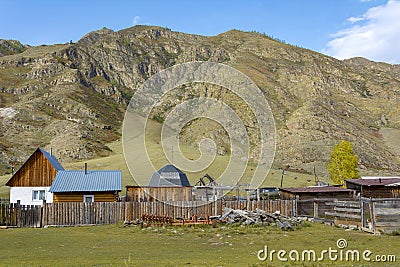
(72, 97)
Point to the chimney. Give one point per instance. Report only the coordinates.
(380, 180)
(12, 171)
(85, 168)
(51, 151)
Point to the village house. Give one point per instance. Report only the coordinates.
(30, 184)
(87, 186)
(42, 178)
(375, 187)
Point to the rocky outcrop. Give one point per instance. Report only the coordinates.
(10, 47)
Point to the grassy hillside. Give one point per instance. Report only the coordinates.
(116, 161)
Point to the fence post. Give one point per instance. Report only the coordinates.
(315, 208)
(43, 213)
(363, 217)
(372, 215)
(17, 213)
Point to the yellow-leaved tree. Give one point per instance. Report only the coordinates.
(343, 163)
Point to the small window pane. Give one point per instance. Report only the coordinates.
(39, 195)
(42, 195)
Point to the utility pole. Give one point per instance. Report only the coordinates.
(283, 172)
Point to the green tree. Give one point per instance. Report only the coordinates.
(343, 163)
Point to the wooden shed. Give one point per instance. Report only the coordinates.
(314, 200)
(313, 192)
(30, 184)
(375, 187)
(147, 193)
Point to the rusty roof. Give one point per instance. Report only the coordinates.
(374, 181)
(315, 189)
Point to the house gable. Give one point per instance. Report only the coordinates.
(40, 169)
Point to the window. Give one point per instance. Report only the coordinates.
(88, 198)
(170, 175)
(38, 195)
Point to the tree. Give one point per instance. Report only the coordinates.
(343, 163)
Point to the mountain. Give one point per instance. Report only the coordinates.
(72, 97)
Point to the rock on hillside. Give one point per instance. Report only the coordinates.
(10, 47)
(64, 95)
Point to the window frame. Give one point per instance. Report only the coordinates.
(41, 194)
(88, 196)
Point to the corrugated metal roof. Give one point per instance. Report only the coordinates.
(93, 181)
(374, 181)
(315, 189)
(169, 175)
(53, 161)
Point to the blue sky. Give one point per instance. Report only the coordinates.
(328, 26)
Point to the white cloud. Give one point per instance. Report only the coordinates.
(355, 19)
(136, 20)
(374, 35)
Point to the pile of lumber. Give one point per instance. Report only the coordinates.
(155, 220)
(259, 217)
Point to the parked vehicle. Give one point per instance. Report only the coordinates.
(265, 193)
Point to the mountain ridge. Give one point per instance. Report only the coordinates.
(78, 93)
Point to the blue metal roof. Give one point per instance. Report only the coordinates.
(169, 175)
(92, 181)
(53, 161)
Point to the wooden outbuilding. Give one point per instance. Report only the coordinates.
(147, 193)
(375, 187)
(313, 192)
(312, 201)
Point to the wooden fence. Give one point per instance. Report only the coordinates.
(381, 214)
(373, 215)
(69, 213)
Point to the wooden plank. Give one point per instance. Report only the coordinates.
(380, 211)
(388, 224)
(347, 209)
(387, 205)
(343, 215)
(350, 204)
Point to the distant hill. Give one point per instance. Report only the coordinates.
(72, 97)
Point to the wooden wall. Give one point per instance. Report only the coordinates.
(78, 196)
(142, 194)
(304, 196)
(37, 171)
(378, 191)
